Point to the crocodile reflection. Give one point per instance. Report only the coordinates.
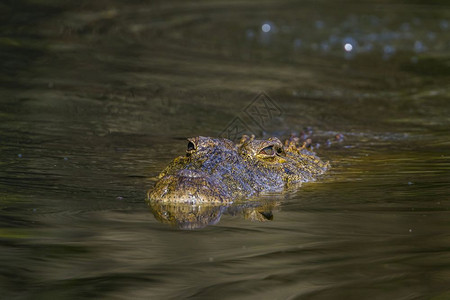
(192, 216)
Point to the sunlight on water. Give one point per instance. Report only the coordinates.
(348, 47)
(266, 27)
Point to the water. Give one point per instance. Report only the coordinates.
(96, 99)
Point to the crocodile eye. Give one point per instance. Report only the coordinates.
(280, 151)
(190, 146)
(267, 151)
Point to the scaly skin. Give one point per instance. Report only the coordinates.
(215, 170)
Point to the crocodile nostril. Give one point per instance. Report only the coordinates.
(190, 173)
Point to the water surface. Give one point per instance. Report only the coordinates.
(97, 98)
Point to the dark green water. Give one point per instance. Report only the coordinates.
(97, 97)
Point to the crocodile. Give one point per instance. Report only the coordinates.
(216, 170)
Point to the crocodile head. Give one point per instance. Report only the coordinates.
(216, 170)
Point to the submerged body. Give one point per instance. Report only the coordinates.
(216, 170)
